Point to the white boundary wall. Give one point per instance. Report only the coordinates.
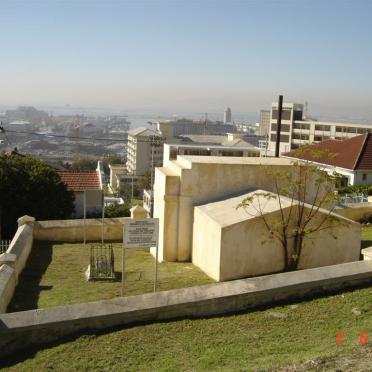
(20, 330)
(14, 260)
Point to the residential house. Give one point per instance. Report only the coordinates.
(351, 158)
(84, 182)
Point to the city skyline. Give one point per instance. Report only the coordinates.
(200, 56)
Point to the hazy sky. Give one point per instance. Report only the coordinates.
(188, 55)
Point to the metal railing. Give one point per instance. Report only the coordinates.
(102, 261)
(353, 199)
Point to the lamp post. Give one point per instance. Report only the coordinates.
(152, 144)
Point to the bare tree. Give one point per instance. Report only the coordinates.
(306, 198)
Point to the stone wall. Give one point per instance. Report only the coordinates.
(20, 330)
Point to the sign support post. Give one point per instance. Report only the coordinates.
(140, 234)
(122, 270)
(156, 268)
(85, 216)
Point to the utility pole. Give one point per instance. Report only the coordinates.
(152, 175)
(278, 126)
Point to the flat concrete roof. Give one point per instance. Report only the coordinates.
(225, 212)
(234, 160)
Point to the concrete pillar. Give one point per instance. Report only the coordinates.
(25, 220)
(185, 227)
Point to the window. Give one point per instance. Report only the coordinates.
(362, 130)
(283, 127)
(297, 115)
(351, 130)
(300, 136)
(364, 177)
(232, 153)
(320, 138)
(344, 181)
(283, 137)
(325, 128)
(301, 126)
(197, 152)
(286, 114)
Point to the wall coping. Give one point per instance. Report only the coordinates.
(80, 222)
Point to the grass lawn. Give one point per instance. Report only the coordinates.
(54, 276)
(295, 336)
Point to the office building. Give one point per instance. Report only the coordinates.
(172, 129)
(145, 151)
(297, 130)
(227, 116)
(264, 123)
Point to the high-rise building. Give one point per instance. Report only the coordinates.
(227, 116)
(264, 123)
(297, 131)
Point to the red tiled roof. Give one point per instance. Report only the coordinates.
(353, 153)
(80, 180)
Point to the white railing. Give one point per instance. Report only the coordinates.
(353, 199)
(4, 245)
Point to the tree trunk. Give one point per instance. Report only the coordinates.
(295, 258)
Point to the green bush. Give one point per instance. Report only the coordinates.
(30, 186)
(365, 189)
(117, 210)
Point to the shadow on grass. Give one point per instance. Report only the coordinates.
(18, 357)
(28, 289)
(366, 243)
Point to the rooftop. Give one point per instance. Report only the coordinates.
(143, 131)
(233, 160)
(225, 212)
(80, 180)
(215, 140)
(354, 153)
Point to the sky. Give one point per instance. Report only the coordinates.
(189, 56)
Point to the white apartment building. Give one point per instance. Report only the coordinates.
(144, 151)
(297, 130)
(264, 122)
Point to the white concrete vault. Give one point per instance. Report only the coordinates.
(198, 217)
(231, 243)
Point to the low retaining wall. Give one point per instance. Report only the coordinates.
(21, 246)
(7, 286)
(14, 260)
(73, 230)
(355, 212)
(22, 329)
